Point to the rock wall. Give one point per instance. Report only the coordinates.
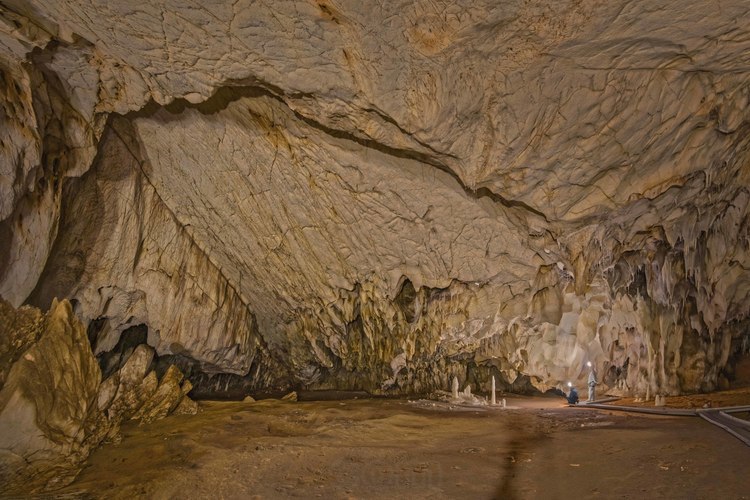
(126, 261)
(336, 194)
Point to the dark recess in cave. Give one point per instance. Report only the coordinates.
(405, 301)
(113, 360)
(480, 375)
(93, 331)
(638, 286)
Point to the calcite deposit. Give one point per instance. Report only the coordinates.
(54, 407)
(385, 195)
(48, 416)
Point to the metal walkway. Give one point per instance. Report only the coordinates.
(735, 426)
(720, 417)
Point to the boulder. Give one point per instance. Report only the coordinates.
(49, 414)
(134, 385)
(186, 407)
(165, 399)
(54, 409)
(292, 396)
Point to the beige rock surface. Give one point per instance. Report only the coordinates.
(166, 398)
(53, 409)
(141, 266)
(339, 194)
(49, 419)
(186, 406)
(131, 386)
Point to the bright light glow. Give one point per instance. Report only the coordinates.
(588, 363)
(570, 384)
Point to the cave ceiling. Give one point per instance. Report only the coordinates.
(384, 195)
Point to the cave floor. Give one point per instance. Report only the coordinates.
(397, 448)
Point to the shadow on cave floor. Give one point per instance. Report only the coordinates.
(396, 448)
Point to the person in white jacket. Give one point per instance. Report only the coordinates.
(592, 383)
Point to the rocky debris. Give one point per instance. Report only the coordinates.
(135, 385)
(292, 396)
(248, 399)
(186, 406)
(54, 409)
(139, 395)
(166, 398)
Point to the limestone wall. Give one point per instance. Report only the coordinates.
(339, 194)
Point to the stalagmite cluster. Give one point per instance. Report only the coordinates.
(382, 196)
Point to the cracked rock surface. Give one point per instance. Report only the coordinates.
(338, 194)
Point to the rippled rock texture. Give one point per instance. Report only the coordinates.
(339, 194)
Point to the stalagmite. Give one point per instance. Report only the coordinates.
(454, 388)
(492, 401)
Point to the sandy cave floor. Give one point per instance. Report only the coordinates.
(396, 448)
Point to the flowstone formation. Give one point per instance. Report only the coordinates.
(341, 194)
(54, 407)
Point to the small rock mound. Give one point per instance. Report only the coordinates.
(292, 396)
